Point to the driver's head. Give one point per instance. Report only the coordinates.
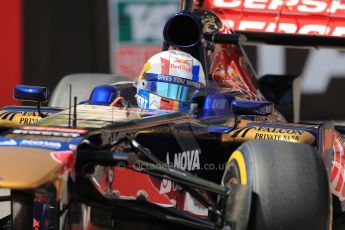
(169, 80)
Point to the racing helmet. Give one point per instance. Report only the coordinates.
(169, 80)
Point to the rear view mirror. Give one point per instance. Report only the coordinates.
(103, 95)
(36, 94)
(30, 93)
(261, 108)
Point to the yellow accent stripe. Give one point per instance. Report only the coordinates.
(238, 157)
(176, 104)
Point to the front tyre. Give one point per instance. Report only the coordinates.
(289, 184)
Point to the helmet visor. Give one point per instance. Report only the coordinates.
(172, 91)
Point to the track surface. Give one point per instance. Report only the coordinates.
(5, 208)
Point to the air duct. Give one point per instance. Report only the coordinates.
(183, 30)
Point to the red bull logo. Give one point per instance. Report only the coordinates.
(181, 64)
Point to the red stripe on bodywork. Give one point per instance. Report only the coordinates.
(338, 168)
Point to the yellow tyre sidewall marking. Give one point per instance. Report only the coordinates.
(238, 157)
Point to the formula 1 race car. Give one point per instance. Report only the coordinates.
(233, 162)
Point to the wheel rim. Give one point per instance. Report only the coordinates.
(233, 176)
(236, 169)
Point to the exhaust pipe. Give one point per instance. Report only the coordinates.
(187, 5)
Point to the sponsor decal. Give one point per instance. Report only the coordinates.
(45, 133)
(40, 143)
(181, 67)
(178, 80)
(184, 62)
(269, 133)
(142, 99)
(286, 27)
(8, 115)
(179, 70)
(172, 79)
(65, 130)
(177, 67)
(19, 118)
(187, 160)
(293, 6)
(165, 129)
(291, 16)
(163, 77)
(8, 142)
(51, 138)
(28, 120)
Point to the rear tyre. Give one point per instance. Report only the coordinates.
(289, 184)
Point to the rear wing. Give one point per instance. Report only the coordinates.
(285, 22)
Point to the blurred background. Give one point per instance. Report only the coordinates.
(43, 40)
